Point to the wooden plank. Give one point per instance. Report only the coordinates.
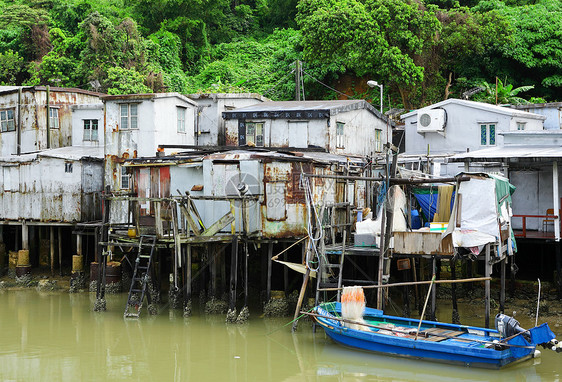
(219, 224)
(422, 243)
(192, 223)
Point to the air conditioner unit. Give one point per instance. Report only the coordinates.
(431, 121)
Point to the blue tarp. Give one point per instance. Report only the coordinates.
(427, 199)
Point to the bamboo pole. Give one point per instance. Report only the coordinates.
(418, 283)
(425, 306)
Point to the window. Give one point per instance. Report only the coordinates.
(125, 180)
(521, 125)
(54, 118)
(378, 140)
(128, 116)
(181, 119)
(7, 120)
(488, 134)
(90, 129)
(68, 167)
(339, 135)
(254, 134)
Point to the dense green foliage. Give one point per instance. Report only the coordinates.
(422, 51)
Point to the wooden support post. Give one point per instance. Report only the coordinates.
(60, 249)
(52, 248)
(455, 315)
(269, 265)
(558, 270)
(233, 272)
(434, 290)
(285, 273)
(487, 287)
(301, 298)
(188, 273)
(246, 255)
(502, 286)
(24, 236)
(213, 267)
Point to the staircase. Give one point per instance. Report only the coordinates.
(139, 283)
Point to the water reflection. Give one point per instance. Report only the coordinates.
(57, 337)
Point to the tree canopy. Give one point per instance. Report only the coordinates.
(422, 51)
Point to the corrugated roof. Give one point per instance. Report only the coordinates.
(331, 106)
(69, 153)
(12, 89)
(513, 153)
(147, 96)
(477, 105)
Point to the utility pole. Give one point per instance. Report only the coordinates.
(298, 81)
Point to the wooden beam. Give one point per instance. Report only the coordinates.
(219, 224)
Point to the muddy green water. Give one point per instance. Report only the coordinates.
(57, 337)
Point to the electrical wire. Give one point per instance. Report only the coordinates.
(329, 87)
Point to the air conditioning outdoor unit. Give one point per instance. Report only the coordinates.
(431, 121)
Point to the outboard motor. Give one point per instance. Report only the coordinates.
(509, 326)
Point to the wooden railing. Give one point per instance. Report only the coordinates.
(524, 222)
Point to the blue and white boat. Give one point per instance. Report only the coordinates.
(435, 341)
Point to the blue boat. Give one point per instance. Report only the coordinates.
(435, 341)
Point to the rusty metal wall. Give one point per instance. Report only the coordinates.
(43, 189)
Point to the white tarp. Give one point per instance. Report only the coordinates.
(479, 223)
(373, 227)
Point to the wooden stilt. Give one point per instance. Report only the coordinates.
(434, 290)
(502, 287)
(60, 250)
(188, 273)
(52, 248)
(487, 287)
(246, 255)
(24, 236)
(455, 315)
(269, 265)
(285, 273)
(213, 268)
(558, 270)
(233, 272)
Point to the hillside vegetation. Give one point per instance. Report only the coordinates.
(422, 51)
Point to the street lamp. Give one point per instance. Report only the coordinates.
(372, 84)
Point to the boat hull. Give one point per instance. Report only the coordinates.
(465, 348)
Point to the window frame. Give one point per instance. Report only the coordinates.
(6, 121)
(520, 124)
(90, 130)
(54, 118)
(378, 140)
(129, 116)
(340, 135)
(254, 136)
(485, 131)
(128, 177)
(181, 122)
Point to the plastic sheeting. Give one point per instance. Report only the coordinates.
(427, 199)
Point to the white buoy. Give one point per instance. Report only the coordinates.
(537, 354)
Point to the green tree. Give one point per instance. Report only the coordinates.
(126, 81)
(11, 68)
(385, 39)
(504, 94)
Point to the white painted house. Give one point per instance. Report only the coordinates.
(136, 124)
(456, 126)
(209, 124)
(552, 111)
(345, 127)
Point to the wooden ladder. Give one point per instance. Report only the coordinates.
(140, 279)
